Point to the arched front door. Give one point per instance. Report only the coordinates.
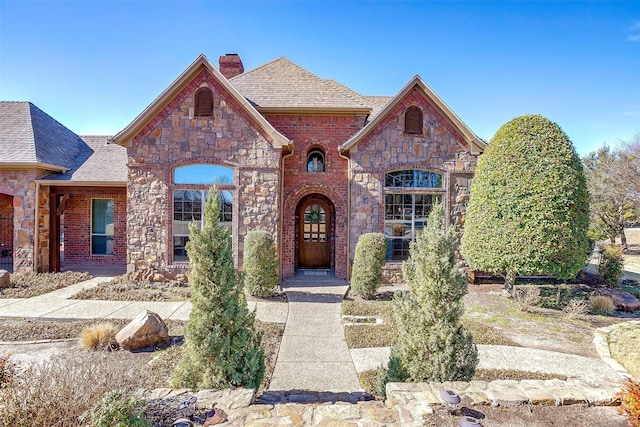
(314, 234)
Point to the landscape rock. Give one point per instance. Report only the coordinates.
(5, 279)
(622, 300)
(146, 330)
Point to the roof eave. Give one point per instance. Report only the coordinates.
(314, 110)
(67, 183)
(29, 165)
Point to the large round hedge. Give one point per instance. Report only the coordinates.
(529, 207)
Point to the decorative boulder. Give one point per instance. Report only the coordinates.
(622, 300)
(146, 330)
(5, 279)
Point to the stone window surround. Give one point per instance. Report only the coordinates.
(442, 191)
(316, 148)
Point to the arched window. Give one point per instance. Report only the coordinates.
(406, 210)
(413, 121)
(203, 102)
(315, 160)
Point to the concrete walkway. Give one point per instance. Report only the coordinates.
(57, 305)
(313, 354)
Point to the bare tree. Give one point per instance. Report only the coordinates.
(613, 179)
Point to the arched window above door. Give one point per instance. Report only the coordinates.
(315, 160)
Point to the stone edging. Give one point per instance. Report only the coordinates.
(601, 342)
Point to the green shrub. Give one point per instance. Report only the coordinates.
(611, 266)
(369, 259)
(222, 347)
(601, 304)
(630, 400)
(432, 343)
(116, 410)
(260, 269)
(529, 206)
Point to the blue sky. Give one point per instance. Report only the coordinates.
(94, 65)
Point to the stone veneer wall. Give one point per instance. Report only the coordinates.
(77, 231)
(22, 186)
(388, 148)
(229, 138)
(308, 132)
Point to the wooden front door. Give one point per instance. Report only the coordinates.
(314, 234)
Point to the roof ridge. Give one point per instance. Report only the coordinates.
(257, 68)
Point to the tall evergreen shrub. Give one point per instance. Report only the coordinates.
(260, 269)
(222, 347)
(432, 344)
(369, 259)
(529, 207)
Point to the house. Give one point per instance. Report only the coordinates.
(310, 160)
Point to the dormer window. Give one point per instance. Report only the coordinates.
(413, 121)
(315, 160)
(203, 102)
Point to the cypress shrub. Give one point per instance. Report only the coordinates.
(432, 344)
(222, 347)
(366, 275)
(260, 264)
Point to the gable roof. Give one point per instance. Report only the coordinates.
(475, 142)
(282, 86)
(99, 163)
(30, 138)
(125, 137)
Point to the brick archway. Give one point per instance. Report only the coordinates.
(339, 231)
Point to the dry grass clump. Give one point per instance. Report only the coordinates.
(576, 307)
(601, 304)
(527, 297)
(57, 392)
(30, 284)
(125, 288)
(101, 336)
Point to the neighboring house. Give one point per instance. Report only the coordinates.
(309, 160)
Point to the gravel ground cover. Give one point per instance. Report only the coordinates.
(27, 285)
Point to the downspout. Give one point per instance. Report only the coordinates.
(281, 215)
(36, 230)
(348, 159)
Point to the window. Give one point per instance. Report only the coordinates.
(188, 206)
(203, 102)
(203, 174)
(102, 226)
(405, 213)
(315, 160)
(413, 121)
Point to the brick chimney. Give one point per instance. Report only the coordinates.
(231, 65)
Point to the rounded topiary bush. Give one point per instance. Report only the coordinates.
(260, 264)
(366, 275)
(529, 208)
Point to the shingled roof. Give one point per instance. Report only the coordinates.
(100, 162)
(29, 137)
(281, 85)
